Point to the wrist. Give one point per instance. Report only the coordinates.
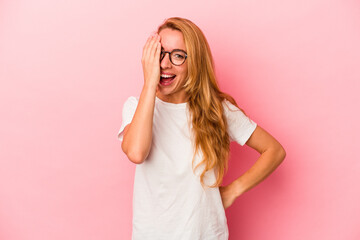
(149, 87)
(237, 188)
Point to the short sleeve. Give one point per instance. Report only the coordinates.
(128, 112)
(240, 126)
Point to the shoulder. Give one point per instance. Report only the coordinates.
(130, 104)
(229, 107)
(132, 100)
(233, 112)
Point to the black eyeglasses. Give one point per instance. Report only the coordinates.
(177, 56)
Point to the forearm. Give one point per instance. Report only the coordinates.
(268, 161)
(138, 138)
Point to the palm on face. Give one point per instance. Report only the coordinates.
(151, 60)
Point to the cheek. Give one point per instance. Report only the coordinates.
(183, 72)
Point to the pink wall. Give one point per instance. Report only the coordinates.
(66, 67)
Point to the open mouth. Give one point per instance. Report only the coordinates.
(166, 79)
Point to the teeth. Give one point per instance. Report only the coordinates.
(166, 76)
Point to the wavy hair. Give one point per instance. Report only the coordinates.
(205, 100)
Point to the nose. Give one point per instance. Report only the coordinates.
(165, 62)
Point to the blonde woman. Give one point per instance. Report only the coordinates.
(178, 134)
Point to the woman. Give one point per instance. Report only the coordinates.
(178, 132)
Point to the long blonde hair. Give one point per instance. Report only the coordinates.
(205, 100)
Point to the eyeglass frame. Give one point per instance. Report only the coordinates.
(170, 56)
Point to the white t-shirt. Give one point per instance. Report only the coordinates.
(169, 202)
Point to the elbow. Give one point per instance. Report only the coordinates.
(135, 157)
(278, 152)
(281, 153)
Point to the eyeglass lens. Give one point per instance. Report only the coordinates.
(176, 57)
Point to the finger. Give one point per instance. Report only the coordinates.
(155, 47)
(146, 47)
(152, 46)
(157, 52)
(147, 43)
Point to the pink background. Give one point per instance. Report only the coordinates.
(66, 67)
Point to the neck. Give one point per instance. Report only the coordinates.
(173, 99)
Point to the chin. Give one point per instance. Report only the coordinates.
(167, 89)
(165, 92)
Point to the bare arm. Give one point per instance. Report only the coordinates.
(138, 134)
(272, 154)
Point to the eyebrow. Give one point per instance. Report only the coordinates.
(173, 49)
